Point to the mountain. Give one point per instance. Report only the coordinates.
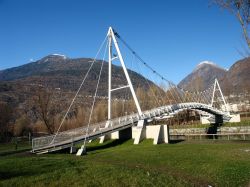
(234, 81)
(62, 76)
(237, 79)
(202, 76)
(58, 71)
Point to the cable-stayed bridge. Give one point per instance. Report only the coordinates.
(170, 102)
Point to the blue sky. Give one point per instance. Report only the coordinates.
(172, 36)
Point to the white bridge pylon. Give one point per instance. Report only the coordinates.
(112, 40)
(122, 124)
(217, 88)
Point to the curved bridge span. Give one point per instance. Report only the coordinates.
(66, 139)
(173, 94)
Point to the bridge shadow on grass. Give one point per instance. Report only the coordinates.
(213, 129)
(4, 175)
(93, 146)
(111, 143)
(175, 141)
(23, 151)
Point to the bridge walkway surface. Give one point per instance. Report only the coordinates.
(67, 139)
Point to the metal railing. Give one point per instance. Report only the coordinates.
(82, 132)
(99, 128)
(224, 136)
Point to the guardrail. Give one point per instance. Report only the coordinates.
(225, 136)
(71, 135)
(83, 132)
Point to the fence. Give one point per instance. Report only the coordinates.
(226, 136)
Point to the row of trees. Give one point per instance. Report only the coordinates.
(49, 114)
(48, 111)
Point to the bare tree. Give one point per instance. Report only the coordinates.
(100, 111)
(44, 108)
(240, 9)
(5, 117)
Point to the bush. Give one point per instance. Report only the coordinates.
(22, 126)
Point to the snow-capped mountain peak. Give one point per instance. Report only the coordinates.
(206, 63)
(202, 76)
(59, 55)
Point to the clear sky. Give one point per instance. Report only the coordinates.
(171, 35)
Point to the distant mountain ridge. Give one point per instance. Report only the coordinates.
(62, 76)
(234, 80)
(237, 79)
(202, 76)
(44, 66)
(207, 63)
(59, 71)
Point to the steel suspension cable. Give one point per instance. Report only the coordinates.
(141, 60)
(94, 99)
(158, 90)
(73, 100)
(147, 81)
(196, 94)
(166, 95)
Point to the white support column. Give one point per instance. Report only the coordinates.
(140, 132)
(81, 151)
(224, 101)
(110, 74)
(161, 134)
(107, 136)
(213, 93)
(217, 86)
(111, 37)
(125, 71)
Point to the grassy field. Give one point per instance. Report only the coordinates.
(14, 147)
(123, 164)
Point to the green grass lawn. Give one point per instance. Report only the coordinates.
(182, 164)
(14, 147)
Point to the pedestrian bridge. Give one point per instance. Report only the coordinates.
(68, 138)
(177, 99)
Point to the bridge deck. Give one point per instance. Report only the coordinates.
(66, 139)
